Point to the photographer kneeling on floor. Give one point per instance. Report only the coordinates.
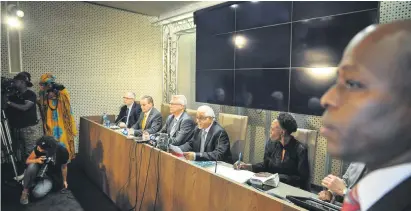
(46, 168)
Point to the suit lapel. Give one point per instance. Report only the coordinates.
(395, 199)
(360, 173)
(149, 117)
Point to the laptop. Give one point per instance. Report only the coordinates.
(313, 204)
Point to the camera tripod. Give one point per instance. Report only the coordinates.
(7, 142)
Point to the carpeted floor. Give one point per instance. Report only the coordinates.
(83, 195)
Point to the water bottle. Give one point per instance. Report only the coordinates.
(106, 122)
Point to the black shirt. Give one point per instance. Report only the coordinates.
(293, 169)
(18, 118)
(54, 168)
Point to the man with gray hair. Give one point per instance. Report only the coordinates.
(210, 141)
(179, 125)
(130, 112)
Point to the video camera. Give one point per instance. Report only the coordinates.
(7, 86)
(44, 167)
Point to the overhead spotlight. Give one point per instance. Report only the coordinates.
(13, 22)
(234, 6)
(240, 41)
(13, 10)
(254, 1)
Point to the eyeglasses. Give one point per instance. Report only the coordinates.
(202, 118)
(175, 104)
(127, 98)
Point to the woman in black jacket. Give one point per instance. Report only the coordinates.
(283, 154)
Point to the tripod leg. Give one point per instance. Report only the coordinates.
(7, 142)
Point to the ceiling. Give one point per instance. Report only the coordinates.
(151, 8)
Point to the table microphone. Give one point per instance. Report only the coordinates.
(119, 120)
(218, 143)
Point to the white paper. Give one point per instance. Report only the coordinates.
(240, 176)
(176, 151)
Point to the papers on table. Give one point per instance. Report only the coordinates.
(241, 176)
(176, 151)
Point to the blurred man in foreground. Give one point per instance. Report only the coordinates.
(367, 116)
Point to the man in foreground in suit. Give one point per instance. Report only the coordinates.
(367, 117)
(150, 119)
(337, 188)
(130, 112)
(179, 125)
(210, 141)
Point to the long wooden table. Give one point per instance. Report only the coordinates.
(137, 175)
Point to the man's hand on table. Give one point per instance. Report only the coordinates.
(242, 166)
(190, 155)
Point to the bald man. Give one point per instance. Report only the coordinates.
(367, 117)
(129, 112)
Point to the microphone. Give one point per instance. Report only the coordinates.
(218, 143)
(120, 120)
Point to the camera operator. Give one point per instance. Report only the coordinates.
(46, 147)
(22, 115)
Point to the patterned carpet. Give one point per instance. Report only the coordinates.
(83, 195)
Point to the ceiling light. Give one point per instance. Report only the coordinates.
(13, 22)
(240, 41)
(234, 6)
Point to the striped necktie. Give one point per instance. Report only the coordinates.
(203, 140)
(351, 201)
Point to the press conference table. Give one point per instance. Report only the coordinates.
(137, 176)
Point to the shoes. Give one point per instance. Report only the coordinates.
(24, 199)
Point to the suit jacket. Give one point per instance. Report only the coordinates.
(134, 114)
(353, 174)
(216, 146)
(397, 199)
(184, 129)
(153, 123)
(293, 170)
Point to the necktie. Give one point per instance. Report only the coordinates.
(173, 128)
(351, 202)
(203, 139)
(143, 124)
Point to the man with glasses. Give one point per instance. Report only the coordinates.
(210, 141)
(179, 125)
(130, 112)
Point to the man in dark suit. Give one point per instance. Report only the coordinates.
(179, 125)
(367, 117)
(150, 119)
(337, 187)
(130, 112)
(210, 141)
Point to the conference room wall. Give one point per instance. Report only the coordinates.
(96, 52)
(259, 121)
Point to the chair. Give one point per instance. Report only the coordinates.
(165, 112)
(192, 113)
(236, 128)
(309, 139)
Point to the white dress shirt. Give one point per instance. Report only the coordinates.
(379, 182)
(205, 138)
(129, 111)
